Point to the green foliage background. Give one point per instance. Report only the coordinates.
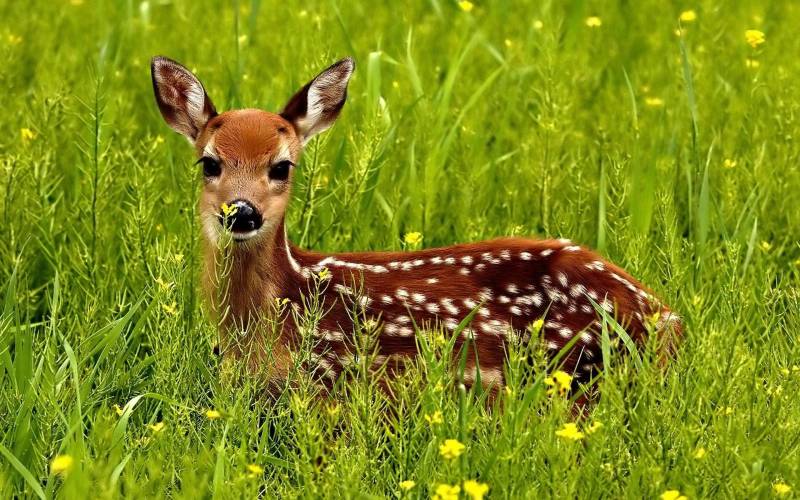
(675, 156)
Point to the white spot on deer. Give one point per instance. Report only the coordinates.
(546, 252)
(387, 299)
(587, 338)
(467, 259)
(483, 311)
(537, 299)
(449, 306)
(364, 301)
(324, 262)
(332, 335)
(607, 305)
(401, 293)
(571, 248)
(512, 288)
(524, 300)
(596, 265)
(516, 311)
(480, 267)
(487, 256)
(345, 290)
(562, 278)
(592, 295)
(552, 346)
(503, 299)
(485, 294)
(491, 377)
(393, 265)
(406, 266)
(405, 331)
(572, 309)
(564, 241)
(450, 324)
(432, 281)
(577, 290)
(495, 261)
(525, 255)
(505, 255)
(418, 298)
(379, 269)
(464, 271)
(471, 304)
(418, 262)
(432, 308)
(435, 260)
(403, 319)
(449, 261)
(565, 332)
(586, 308)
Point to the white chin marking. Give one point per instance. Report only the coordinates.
(244, 236)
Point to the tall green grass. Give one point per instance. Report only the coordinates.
(674, 155)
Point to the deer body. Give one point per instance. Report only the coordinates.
(248, 157)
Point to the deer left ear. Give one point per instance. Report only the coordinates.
(315, 107)
(181, 98)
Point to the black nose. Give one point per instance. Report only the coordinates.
(241, 217)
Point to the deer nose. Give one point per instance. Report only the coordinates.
(240, 217)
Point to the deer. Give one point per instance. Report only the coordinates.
(248, 159)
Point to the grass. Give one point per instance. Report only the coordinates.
(674, 156)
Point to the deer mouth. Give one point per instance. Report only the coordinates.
(241, 236)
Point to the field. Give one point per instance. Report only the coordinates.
(664, 134)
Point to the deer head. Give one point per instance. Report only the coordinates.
(248, 155)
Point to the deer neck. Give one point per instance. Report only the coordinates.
(244, 280)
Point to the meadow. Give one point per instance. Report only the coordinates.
(663, 134)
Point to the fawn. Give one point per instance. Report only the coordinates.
(248, 158)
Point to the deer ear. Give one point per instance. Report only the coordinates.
(315, 107)
(181, 97)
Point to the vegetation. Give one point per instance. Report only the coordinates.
(663, 134)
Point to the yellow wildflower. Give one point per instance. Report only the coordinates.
(228, 210)
(508, 43)
(594, 427)
(324, 274)
(157, 427)
(76, 3)
(213, 414)
(118, 410)
(435, 418)
(407, 484)
(766, 246)
(594, 22)
(178, 257)
(14, 39)
(164, 285)
(475, 490)
(654, 102)
(536, 326)
(673, 495)
(728, 410)
(559, 382)
(171, 309)
(451, 448)
(395, 84)
(446, 492)
(688, 16)
(413, 238)
(781, 488)
(254, 471)
(466, 5)
(27, 134)
(570, 431)
(538, 24)
(61, 464)
(755, 37)
(699, 453)
(729, 163)
(752, 63)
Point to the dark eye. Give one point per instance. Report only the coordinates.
(280, 171)
(211, 167)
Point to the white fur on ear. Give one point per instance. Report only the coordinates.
(315, 107)
(181, 98)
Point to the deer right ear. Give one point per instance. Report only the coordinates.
(181, 98)
(315, 107)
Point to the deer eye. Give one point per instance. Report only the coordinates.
(211, 167)
(280, 170)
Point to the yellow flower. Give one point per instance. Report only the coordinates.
(729, 163)
(164, 285)
(171, 309)
(752, 63)
(466, 5)
(413, 238)
(451, 448)
(475, 490)
(178, 257)
(14, 39)
(407, 484)
(755, 37)
(570, 431)
(508, 43)
(594, 427)
(728, 410)
(324, 274)
(538, 24)
(781, 488)
(228, 210)
(766, 246)
(118, 410)
(446, 492)
(536, 326)
(435, 418)
(27, 134)
(157, 427)
(654, 102)
(673, 495)
(594, 22)
(559, 382)
(213, 414)
(688, 16)
(699, 453)
(254, 471)
(61, 464)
